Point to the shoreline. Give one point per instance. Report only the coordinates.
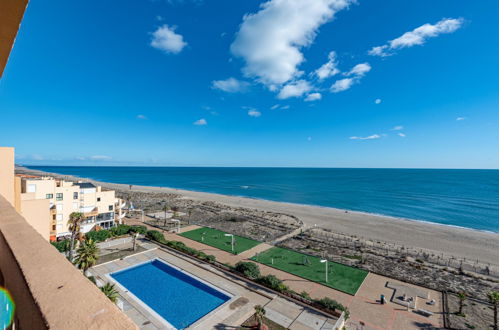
(448, 239)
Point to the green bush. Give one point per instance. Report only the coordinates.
(120, 230)
(98, 236)
(62, 246)
(156, 236)
(273, 282)
(211, 258)
(138, 229)
(248, 269)
(333, 305)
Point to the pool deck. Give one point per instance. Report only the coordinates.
(229, 315)
(365, 310)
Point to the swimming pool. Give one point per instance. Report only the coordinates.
(179, 298)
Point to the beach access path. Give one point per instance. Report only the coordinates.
(364, 306)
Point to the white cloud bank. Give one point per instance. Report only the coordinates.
(230, 85)
(418, 36)
(201, 122)
(370, 137)
(270, 41)
(166, 40)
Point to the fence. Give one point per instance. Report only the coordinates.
(395, 250)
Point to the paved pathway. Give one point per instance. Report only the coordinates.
(364, 307)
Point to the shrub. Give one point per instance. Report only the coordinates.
(138, 229)
(98, 236)
(62, 246)
(120, 230)
(156, 236)
(248, 269)
(305, 295)
(333, 305)
(211, 258)
(273, 282)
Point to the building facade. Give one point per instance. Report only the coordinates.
(100, 208)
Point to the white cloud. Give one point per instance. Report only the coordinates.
(342, 85)
(270, 41)
(201, 122)
(418, 36)
(401, 134)
(355, 74)
(100, 157)
(230, 85)
(359, 70)
(398, 128)
(165, 39)
(370, 137)
(377, 101)
(294, 89)
(460, 118)
(328, 69)
(313, 97)
(275, 106)
(141, 117)
(254, 113)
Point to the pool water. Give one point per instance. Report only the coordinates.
(177, 297)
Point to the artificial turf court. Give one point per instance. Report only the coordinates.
(340, 277)
(217, 239)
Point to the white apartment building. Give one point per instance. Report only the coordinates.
(100, 207)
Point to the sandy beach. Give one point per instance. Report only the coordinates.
(459, 242)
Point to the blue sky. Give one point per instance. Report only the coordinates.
(328, 83)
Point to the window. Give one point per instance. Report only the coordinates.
(53, 217)
(75, 195)
(59, 217)
(31, 188)
(98, 199)
(110, 207)
(59, 196)
(53, 227)
(75, 205)
(59, 227)
(58, 207)
(49, 196)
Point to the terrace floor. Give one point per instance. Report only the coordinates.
(365, 310)
(231, 314)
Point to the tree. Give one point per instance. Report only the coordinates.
(74, 222)
(88, 253)
(259, 314)
(462, 297)
(175, 211)
(110, 292)
(165, 208)
(494, 300)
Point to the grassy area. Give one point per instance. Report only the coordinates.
(217, 239)
(340, 277)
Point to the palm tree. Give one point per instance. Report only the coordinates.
(88, 253)
(110, 292)
(462, 297)
(175, 211)
(75, 219)
(165, 208)
(259, 314)
(494, 299)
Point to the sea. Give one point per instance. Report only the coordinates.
(461, 198)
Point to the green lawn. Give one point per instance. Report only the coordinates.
(216, 238)
(340, 277)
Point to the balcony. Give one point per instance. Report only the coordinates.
(48, 291)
